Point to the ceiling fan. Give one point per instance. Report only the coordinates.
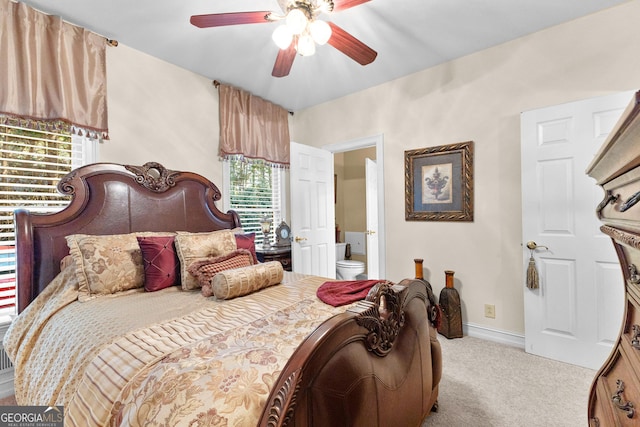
(300, 32)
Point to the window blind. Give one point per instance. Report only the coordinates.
(254, 191)
(31, 164)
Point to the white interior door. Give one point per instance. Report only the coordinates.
(371, 173)
(568, 318)
(312, 211)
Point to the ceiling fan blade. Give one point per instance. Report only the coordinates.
(235, 18)
(351, 46)
(339, 5)
(284, 61)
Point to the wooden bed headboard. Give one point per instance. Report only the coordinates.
(108, 198)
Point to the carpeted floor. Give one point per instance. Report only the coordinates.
(492, 385)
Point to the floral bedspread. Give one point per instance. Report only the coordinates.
(212, 366)
(223, 380)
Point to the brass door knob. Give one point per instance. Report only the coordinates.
(533, 245)
(300, 239)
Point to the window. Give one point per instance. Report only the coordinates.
(31, 164)
(254, 189)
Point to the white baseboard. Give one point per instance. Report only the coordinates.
(503, 337)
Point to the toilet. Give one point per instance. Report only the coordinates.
(346, 269)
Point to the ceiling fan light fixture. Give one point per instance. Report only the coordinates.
(320, 31)
(297, 21)
(300, 30)
(282, 36)
(325, 6)
(306, 46)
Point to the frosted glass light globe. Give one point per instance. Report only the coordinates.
(282, 36)
(320, 31)
(306, 45)
(296, 21)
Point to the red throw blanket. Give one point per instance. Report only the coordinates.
(344, 292)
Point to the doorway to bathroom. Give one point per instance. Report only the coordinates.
(313, 208)
(351, 213)
(359, 201)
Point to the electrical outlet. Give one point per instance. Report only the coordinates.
(490, 311)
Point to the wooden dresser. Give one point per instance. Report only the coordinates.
(614, 399)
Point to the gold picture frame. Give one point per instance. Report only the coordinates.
(439, 183)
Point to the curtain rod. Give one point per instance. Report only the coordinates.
(217, 84)
(110, 42)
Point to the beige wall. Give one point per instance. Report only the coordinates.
(479, 98)
(160, 112)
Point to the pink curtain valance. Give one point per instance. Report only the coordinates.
(52, 71)
(252, 128)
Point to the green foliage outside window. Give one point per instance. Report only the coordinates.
(254, 193)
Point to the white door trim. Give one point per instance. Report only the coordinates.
(371, 203)
(365, 142)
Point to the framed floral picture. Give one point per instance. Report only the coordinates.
(439, 183)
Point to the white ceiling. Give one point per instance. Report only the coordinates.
(409, 35)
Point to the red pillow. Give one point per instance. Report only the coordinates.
(161, 265)
(247, 241)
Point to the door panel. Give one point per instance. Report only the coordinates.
(608, 326)
(555, 183)
(567, 317)
(312, 215)
(559, 302)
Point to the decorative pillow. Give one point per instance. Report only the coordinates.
(160, 262)
(107, 264)
(247, 241)
(66, 262)
(242, 281)
(193, 247)
(204, 270)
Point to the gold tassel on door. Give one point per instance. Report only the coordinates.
(533, 281)
(532, 274)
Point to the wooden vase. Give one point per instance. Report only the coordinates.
(451, 321)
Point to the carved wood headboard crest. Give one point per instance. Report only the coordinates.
(154, 176)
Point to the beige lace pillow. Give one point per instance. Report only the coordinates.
(193, 247)
(242, 281)
(107, 264)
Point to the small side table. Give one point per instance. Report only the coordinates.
(275, 253)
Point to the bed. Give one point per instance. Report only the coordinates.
(112, 331)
